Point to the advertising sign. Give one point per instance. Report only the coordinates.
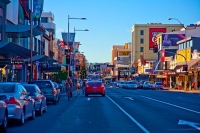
(71, 38)
(37, 8)
(72, 60)
(76, 46)
(171, 39)
(124, 53)
(25, 7)
(153, 32)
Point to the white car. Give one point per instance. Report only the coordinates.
(131, 85)
(120, 84)
(158, 85)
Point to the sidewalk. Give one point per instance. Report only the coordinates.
(190, 91)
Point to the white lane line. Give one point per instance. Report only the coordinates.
(129, 98)
(136, 122)
(88, 99)
(172, 105)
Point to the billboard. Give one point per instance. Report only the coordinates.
(171, 39)
(153, 32)
(124, 53)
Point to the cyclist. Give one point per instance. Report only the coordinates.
(68, 85)
(83, 86)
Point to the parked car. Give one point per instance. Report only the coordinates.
(3, 115)
(120, 84)
(40, 99)
(158, 85)
(58, 90)
(20, 105)
(148, 85)
(131, 85)
(94, 87)
(48, 90)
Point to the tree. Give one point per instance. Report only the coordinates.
(59, 76)
(83, 72)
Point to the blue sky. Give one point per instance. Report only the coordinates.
(110, 21)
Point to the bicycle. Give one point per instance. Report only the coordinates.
(69, 95)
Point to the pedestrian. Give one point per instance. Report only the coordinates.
(68, 85)
(182, 84)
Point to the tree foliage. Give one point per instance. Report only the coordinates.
(59, 76)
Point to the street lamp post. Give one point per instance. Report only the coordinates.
(186, 80)
(68, 36)
(31, 42)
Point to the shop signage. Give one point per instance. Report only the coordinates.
(161, 76)
(124, 53)
(16, 62)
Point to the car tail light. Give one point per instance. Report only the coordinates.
(87, 86)
(36, 99)
(102, 85)
(12, 100)
(53, 92)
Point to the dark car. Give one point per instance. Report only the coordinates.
(48, 90)
(40, 99)
(3, 115)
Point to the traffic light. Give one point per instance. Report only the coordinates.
(155, 48)
(185, 68)
(77, 67)
(68, 59)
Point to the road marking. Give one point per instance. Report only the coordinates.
(172, 105)
(88, 99)
(136, 122)
(129, 98)
(192, 124)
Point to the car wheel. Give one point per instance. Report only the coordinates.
(86, 95)
(22, 119)
(33, 114)
(45, 109)
(55, 101)
(3, 127)
(40, 112)
(58, 99)
(103, 95)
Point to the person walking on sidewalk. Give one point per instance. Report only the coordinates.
(68, 85)
(83, 86)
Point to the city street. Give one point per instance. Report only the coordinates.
(120, 111)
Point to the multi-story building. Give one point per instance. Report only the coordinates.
(120, 60)
(143, 40)
(47, 21)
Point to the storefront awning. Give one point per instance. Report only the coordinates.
(12, 49)
(53, 69)
(23, 31)
(41, 58)
(190, 63)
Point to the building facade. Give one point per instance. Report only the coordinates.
(144, 37)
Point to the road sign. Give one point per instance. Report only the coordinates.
(37, 63)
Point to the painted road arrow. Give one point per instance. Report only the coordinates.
(192, 124)
(129, 98)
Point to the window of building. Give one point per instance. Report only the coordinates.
(44, 20)
(141, 40)
(141, 49)
(191, 43)
(35, 44)
(184, 45)
(141, 32)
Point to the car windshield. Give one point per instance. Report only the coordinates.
(7, 88)
(43, 84)
(30, 88)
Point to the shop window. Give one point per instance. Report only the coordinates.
(141, 49)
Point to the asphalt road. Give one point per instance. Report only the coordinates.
(120, 111)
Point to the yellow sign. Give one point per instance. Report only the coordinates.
(124, 53)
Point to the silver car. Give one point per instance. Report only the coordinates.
(3, 115)
(36, 94)
(20, 105)
(158, 85)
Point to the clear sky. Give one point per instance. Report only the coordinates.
(110, 21)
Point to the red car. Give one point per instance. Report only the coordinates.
(94, 87)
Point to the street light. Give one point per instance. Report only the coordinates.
(79, 30)
(69, 36)
(184, 42)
